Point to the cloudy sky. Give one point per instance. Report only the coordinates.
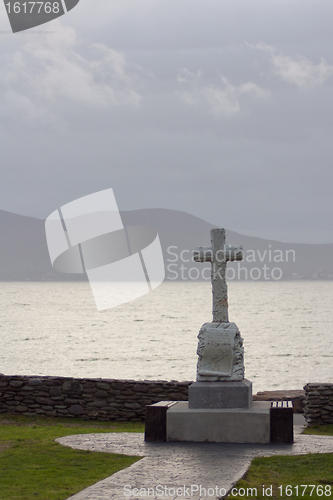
(219, 108)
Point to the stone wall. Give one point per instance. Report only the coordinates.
(89, 399)
(318, 407)
(109, 399)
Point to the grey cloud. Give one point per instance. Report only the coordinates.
(173, 105)
(48, 71)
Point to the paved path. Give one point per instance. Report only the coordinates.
(199, 470)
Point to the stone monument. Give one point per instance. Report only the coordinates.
(220, 407)
(220, 372)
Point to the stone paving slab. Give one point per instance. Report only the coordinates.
(199, 470)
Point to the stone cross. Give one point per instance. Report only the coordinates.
(218, 254)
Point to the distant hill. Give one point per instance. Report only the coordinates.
(24, 254)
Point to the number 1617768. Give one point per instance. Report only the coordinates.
(33, 7)
(310, 489)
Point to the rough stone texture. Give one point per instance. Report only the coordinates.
(318, 405)
(119, 392)
(88, 399)
(220, 348)
(220, 353)
(218, 254)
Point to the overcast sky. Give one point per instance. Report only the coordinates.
(219, 108)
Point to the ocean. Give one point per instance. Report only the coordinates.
(55, 329)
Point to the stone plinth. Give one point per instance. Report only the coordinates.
(219, 426)
(220, 394)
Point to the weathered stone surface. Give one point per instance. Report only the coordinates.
(76, 410)
(119, 385)
(102, 394)
(98, 403)
(35, 382)
(70, 401)
(103, 386)
(89, 390)
(72, 387)
(56, 395)
(157, 389)
(218, 254)
(133, 406)
(44, 401)
(55, 391)
(175, 396)
(127, 415)
(53, 381)
(21, 408)
(16, 383)
(220, 353)
(140, 388)
(51, 413)
(318, 408)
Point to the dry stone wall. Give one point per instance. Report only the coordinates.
(110, 399)
(89, 399)
(318, 407)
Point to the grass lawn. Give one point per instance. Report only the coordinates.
(324, 430)
(34, 466)
(308, 476)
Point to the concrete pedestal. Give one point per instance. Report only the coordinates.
(241, 425)
(220, 394)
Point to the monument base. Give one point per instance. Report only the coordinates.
(248, 425)
(220, 395)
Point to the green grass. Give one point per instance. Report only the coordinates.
(275, 472)
(34, 466)
(325, 430)
(284, 476)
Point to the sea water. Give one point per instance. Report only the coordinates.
(55, 329)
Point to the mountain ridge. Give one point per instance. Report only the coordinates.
(24, 254)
